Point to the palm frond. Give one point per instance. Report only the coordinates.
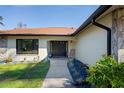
(1, 24)
(1, 18)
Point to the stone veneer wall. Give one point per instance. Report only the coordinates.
(118, 34)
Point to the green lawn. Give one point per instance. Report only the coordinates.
(29, 75)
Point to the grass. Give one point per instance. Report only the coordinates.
(29, 75)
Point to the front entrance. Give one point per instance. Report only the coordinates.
(58, 48)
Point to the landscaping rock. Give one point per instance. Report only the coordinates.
(79, 73)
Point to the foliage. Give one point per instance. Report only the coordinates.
(9, 59)
(24, 75)
(3, 55)
(107, 73)
(1, 18)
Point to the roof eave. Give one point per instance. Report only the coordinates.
(33, 35)
(95, 15)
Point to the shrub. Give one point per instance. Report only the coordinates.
(9, 59)
(107, 73)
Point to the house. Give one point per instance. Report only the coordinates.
(101, 34)
(37, 43)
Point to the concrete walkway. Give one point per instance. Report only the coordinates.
(58, 75)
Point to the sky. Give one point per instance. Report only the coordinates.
(43, 16)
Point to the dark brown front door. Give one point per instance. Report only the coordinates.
(59, 48)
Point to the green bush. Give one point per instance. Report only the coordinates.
(9, 59)
(107, 73)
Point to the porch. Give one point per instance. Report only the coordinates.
(60, 49)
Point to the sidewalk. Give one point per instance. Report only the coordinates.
(58, 75)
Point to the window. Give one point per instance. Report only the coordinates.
(27, 46)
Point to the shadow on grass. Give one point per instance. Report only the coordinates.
(32, 71)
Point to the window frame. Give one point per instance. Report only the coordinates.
(17, 47)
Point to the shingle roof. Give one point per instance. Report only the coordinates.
(39, 31)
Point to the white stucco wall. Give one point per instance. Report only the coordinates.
(43, 49)
(91, 43)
